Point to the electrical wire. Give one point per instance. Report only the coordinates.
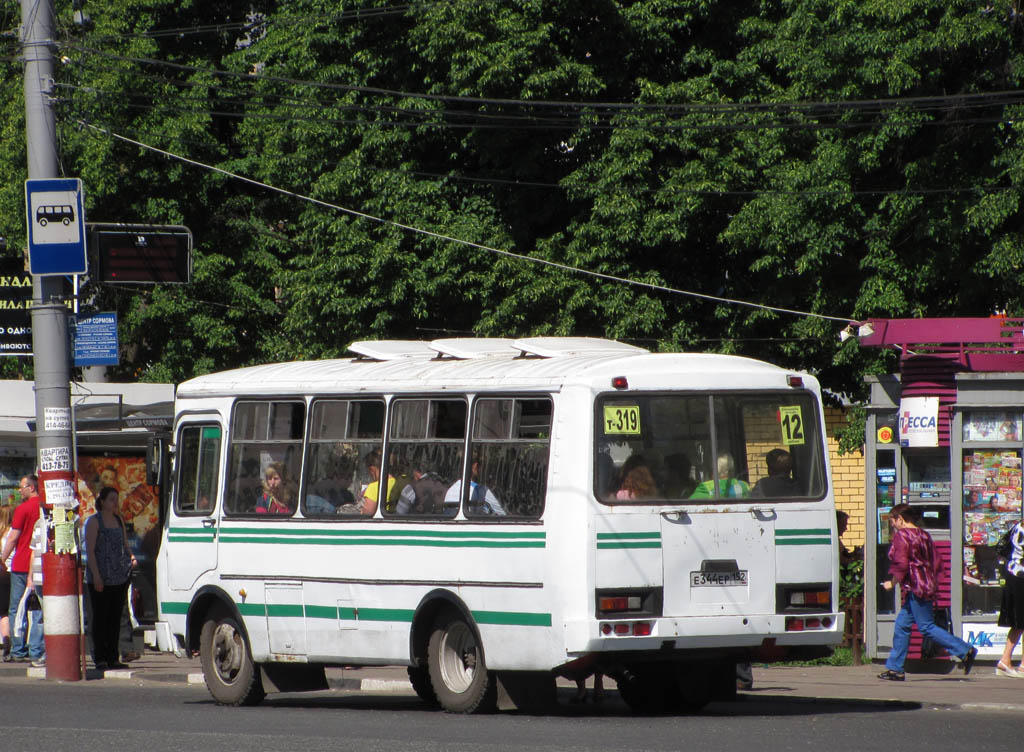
(459, 241)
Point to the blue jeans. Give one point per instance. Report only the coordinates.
(919, 611)
(35, 648)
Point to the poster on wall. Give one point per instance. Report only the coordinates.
(991, 426)
(919, 422)
(138, 504)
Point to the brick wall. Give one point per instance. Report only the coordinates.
(847, 478)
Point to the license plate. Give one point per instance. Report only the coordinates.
(718, 579)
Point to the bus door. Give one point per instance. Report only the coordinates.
(192, 533)
(718, 563)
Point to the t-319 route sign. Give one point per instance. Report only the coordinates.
(56, 226)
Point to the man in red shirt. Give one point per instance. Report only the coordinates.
(19, 541)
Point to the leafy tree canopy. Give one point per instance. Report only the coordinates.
(838, 159)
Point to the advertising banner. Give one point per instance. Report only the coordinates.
(919, 422)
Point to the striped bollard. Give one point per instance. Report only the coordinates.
(61, 628)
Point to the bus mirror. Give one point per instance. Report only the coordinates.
(154, 460)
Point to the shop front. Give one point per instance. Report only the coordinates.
(945, 436)
(112, 426)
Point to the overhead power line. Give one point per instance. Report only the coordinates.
(460, 241)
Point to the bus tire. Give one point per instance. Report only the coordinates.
(419, 677)
(455, 660)
(228, 668)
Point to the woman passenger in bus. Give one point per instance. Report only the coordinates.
(637, 481)
(277, 493)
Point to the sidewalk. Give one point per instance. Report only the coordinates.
(982, 690)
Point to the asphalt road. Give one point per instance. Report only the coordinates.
(149, 717)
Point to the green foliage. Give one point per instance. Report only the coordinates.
(805, 155)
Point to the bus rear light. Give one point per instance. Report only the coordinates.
(809, 598)
(606, 628)
(813, 623)
(794, 625)
(619, 603)
(642, 629)
(619, 382)
(794, 380)
(621, 629)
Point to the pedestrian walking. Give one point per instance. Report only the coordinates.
(1011, 611)
(6, 515)
(18, 542)
(34, 590)
(914, 567)
(110, 567)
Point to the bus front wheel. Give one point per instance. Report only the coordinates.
(230, 674)
(455, 661)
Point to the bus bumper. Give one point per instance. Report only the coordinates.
(763, 637)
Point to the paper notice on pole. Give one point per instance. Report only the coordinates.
(59, 493)
(56, 418)
(64, 538)
(55, 458)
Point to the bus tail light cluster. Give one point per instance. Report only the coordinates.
(626, 628)
(803, 598)
(804, 623)
(809, 598)
(626, 603)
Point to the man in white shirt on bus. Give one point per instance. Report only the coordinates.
(482, 500)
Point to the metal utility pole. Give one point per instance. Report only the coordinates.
(50, 346)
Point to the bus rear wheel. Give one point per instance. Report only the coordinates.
(419, 677)
(228, 668)
(455, 661)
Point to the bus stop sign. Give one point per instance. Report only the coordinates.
(56, 226)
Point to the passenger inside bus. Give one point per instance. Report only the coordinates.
(424, 494)
(367, 505)
(482, 500)
(636, 481)
(729, 485)
(278, 495)
(779, 482)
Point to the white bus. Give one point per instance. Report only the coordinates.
(492, 513)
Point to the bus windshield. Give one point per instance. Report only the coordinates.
(708, 447)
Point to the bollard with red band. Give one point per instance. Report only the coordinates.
(60, 609)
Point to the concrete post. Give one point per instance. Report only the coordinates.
(50, 344)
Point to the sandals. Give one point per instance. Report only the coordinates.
(890, 675)
(1003, 670)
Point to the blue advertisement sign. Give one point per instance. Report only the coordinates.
(95, 337)
(56, 226)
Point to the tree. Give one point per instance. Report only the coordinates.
(842, 159)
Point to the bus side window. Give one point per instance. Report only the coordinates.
(342, 434)
(266, 441)
(510, 446)
(425, 457)
(198, 462)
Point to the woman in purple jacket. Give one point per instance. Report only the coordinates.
(915, 568)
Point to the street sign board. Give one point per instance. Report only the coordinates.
(142, 253)
(15, 309)
(56, 226)
(96, 340)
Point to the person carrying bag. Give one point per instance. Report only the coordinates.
(1011, 610)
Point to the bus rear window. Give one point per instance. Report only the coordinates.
(709, 447)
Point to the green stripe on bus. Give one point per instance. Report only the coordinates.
(384, 533)
(322, 612)
(512, 618)
(630, 544)
(803, 542)
(190, 539)
(803, 531)
(348, 613)
(385, 542)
